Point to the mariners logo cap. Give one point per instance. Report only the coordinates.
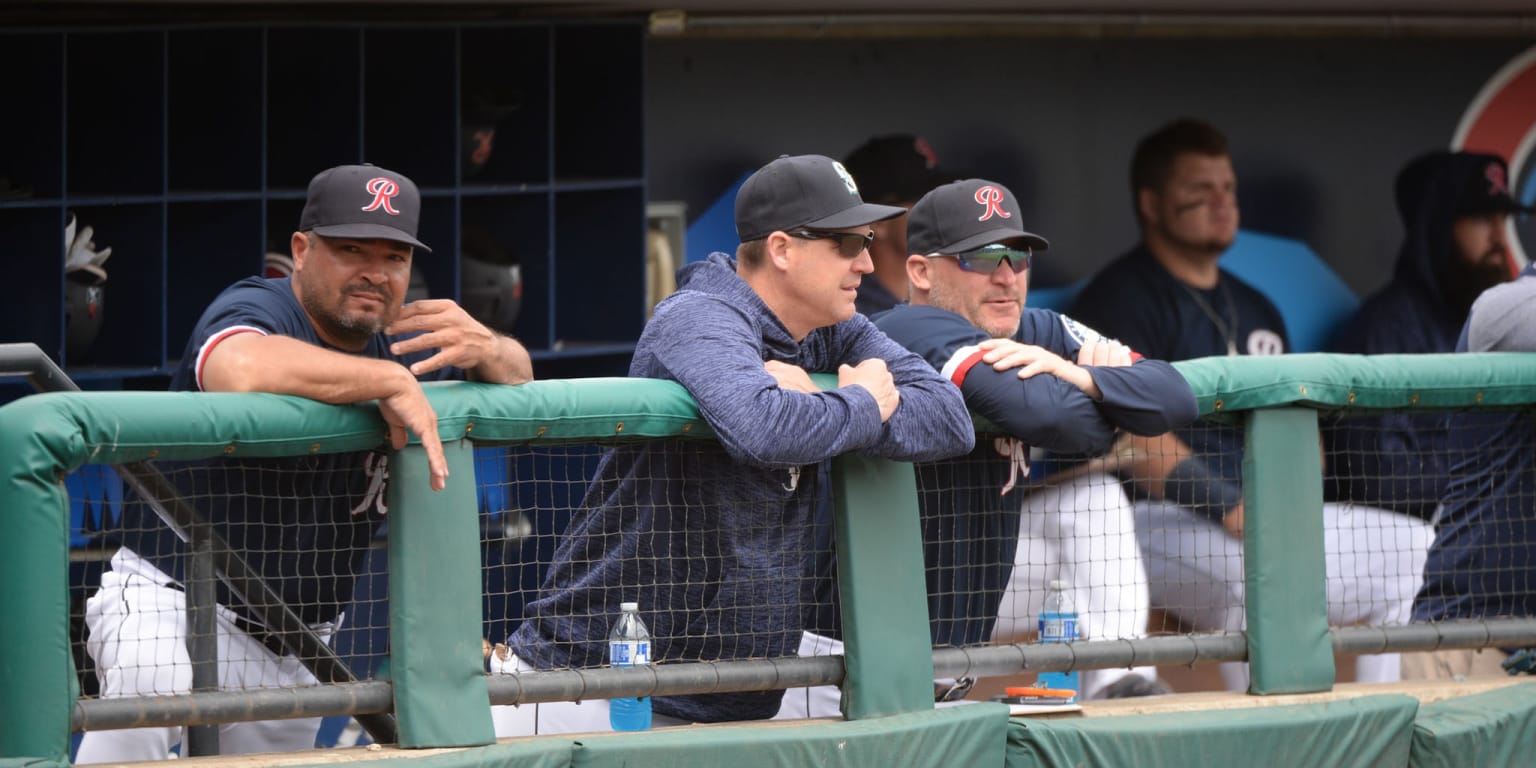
(364, 202)
(965, 215)
(809, 191)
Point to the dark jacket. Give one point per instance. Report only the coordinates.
(711, 537)
(1397, 461)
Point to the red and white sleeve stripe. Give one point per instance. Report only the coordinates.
(961, 363)
(213, 341)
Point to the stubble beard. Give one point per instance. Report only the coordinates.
(353, 328)
(941, 297)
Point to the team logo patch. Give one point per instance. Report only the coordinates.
(1078, 332)
(383, 190)
(842, 173)
(1265, 342)
(990, 199)
(1497, 184)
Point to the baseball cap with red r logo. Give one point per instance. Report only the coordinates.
(364, 202)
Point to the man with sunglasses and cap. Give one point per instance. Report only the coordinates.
(710, 538)
(994, 534)
(337, 331)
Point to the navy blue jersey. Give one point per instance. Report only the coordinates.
(1483, 561)
(970, 507)
(1140, 303)
(303, 523)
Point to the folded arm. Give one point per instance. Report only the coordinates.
(256, 362)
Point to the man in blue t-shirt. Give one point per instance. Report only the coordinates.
(336, 331)
(1170, 300)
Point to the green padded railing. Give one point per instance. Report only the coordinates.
(1289, 645)
(44, 437)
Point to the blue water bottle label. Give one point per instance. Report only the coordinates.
(1057, 628)
(629, 653)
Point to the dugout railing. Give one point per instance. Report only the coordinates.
(437, 688)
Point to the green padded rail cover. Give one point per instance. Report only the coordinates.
(1493, 728)
(956, 736)
(1376, 381)
(1286, 600)
(47, 436)
(1360, 732)
(540, 752)
(974, 735)
(435, 624)
(889, 653)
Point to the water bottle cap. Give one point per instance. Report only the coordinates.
(1058, 584)
(629, 607)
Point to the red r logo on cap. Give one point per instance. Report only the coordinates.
(383, 190)
(1497, 184)
(991, 198)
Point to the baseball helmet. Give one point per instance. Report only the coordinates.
(490, 281)
(277, 265)
(84, 307)
(84, 289)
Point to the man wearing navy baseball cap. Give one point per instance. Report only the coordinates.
(1047, 382)
(1455, 208)
(742, 336)
(336, 331)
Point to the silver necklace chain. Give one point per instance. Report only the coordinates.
(1228, 332)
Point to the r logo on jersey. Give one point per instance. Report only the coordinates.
(376, 465)
(1017, 454)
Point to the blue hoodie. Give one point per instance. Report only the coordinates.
(711, 537)
(1398, 461)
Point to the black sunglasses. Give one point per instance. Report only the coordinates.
(987, 258)
(849, 244)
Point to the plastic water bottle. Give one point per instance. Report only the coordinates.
(1058, 624)
(629, 645)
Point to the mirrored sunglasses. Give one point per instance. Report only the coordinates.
(987, 258)
(849, 244)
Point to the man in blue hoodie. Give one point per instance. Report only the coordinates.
(711, 538)
(1454, 207)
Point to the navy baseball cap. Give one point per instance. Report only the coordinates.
(808, 191)
(1485, 188)
(965, 215)
(364, 202)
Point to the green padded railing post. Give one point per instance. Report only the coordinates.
(889, 658)
(37, 676)
(1289, 649)
(434, 602)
